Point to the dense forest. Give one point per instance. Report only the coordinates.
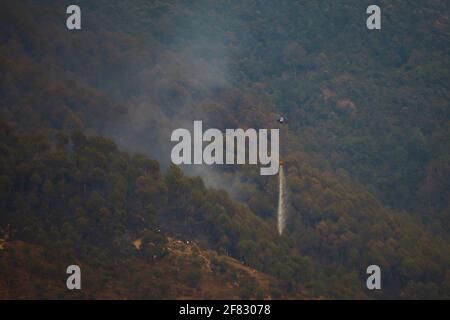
(85, 169)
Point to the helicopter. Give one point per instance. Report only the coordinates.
(281, 119)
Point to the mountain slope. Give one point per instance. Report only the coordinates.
(365, 144)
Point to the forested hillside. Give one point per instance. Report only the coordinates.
(86, 118)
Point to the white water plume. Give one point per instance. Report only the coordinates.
(282, 197)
